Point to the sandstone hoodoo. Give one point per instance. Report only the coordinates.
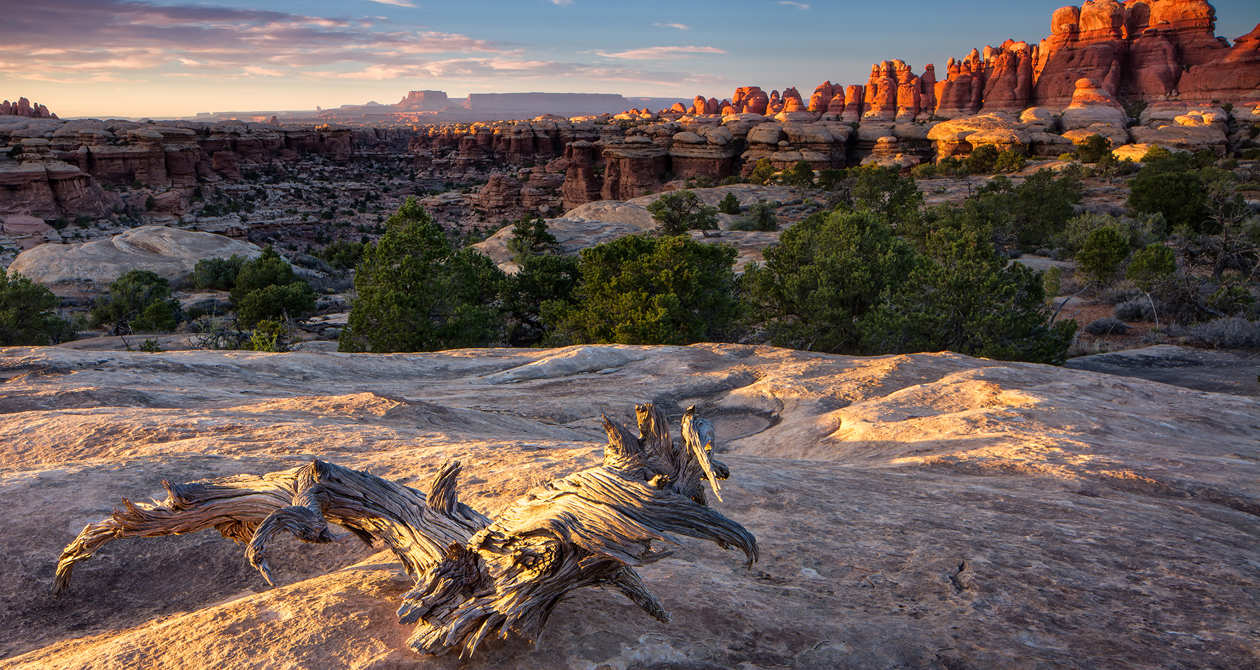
(24, 107)
(1138, 51)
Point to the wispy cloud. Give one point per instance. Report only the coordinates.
(656, 53)
(263, 71)
(115, 36)
(562, 3)
(799, 5)
(675, 26)
(396, 3)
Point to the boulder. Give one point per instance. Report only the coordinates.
(89, 267)
(1092, 105)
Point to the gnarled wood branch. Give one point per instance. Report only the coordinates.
(474, 577)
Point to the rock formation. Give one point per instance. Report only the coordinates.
(24, 107)
(1140, 50)
(56, 168)
(76, 269)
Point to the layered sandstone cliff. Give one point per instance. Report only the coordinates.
(53, 168)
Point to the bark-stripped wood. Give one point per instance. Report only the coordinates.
(474, 577)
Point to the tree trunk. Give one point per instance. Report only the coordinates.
(474, 577)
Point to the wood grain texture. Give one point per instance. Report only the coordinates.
(475, 578)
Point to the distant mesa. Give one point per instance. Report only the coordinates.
(24, 107)
(431, 105)
(422, 101)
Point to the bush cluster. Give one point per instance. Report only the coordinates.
(138, 300)
(27, 313)
(680, 211)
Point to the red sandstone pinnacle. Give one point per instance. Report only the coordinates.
(24, 107)
(836, 104)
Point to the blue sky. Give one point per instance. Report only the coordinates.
(173, 57)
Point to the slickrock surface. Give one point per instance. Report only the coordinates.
(69, 269)
(602, 221)
(926, 511)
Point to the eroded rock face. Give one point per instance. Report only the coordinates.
(89, 267)
(176, 156)
(930, 510)
(633, 168)
(1234, 76)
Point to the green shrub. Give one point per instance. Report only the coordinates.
(982, 160)
(951, 166)
(1102, 254)
(1156, 154)
(1165, 187)
(923, 171)
(1024, 217)
(762, 173)
(342, 255)
(1010, 160)
(1093, 149)
(268, 269)
(729, 204)
(530, 237)
(1230, 299)
(643, 290)
(217, 273)
(826, 273)
(544, 282)
(269, 335)
(295, 300)
(416, 293)
(760, 216)
(27, 315)
(1042, 205)
(1150, 266)
(680, 211)
(138, 300)
(831, 179)
(888, 194)
(965, 297)
(150, 346)
(1052, 281)
(800, 175)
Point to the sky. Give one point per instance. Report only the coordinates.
(163, 58)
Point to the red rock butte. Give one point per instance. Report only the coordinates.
(1140, 50)
(24, 107)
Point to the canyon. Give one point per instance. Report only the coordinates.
(1141, 74)
(922, 510)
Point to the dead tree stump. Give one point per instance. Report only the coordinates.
(475, 577)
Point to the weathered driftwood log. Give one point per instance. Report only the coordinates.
(474, 577)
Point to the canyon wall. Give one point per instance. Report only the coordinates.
(52, 168)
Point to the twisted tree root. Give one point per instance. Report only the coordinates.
(474, 577)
